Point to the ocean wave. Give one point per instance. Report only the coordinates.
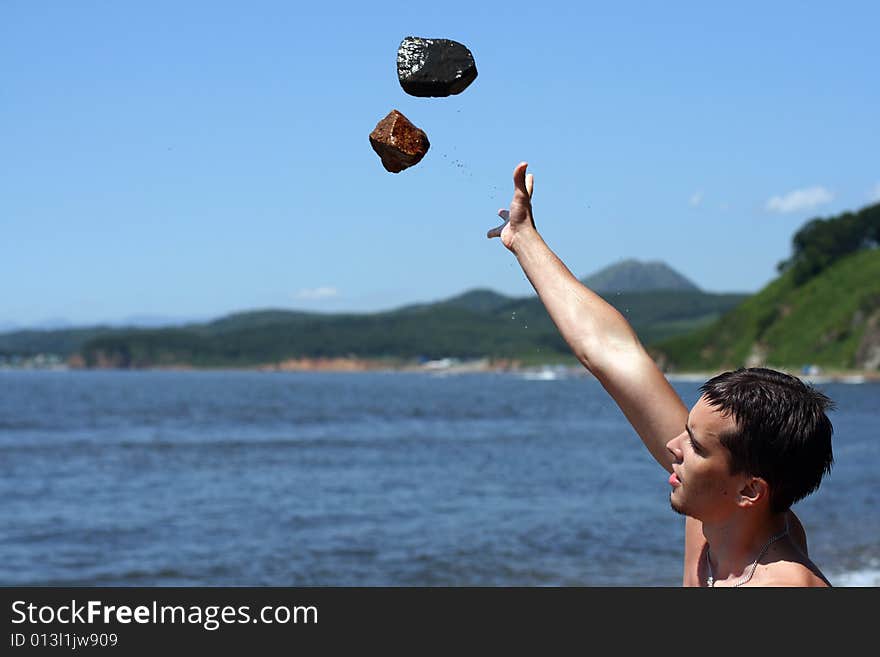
(864, 577)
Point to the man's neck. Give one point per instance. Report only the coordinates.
(736, 542)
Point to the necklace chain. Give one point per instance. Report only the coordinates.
(710, 580)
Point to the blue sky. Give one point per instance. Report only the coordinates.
(191, 159)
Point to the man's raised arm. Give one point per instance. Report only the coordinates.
(598, 335)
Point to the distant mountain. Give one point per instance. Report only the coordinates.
(636, 276)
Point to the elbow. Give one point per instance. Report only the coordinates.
(604, 357)
(587, 352)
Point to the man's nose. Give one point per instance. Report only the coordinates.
(674, 446)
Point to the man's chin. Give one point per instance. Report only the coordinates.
(675, 506)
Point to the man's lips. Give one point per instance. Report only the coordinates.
(674, 480)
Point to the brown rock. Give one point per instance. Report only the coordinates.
(398, 142)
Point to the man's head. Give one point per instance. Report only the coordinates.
(754, 436)
(780, 431)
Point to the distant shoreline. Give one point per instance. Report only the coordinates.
(448, 366)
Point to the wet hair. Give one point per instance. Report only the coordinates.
(783, 434)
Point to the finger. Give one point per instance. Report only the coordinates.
(530, 184)
(504, 214)
(496, 232)
(519, 177)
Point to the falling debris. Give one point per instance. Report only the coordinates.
(398, 142)
(434, 67)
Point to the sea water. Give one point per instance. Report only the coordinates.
(236, 478)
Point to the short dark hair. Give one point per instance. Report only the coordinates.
(783, 434)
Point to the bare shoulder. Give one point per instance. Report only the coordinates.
(787, 564)
(794, 574)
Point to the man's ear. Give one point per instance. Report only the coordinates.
(753, 491)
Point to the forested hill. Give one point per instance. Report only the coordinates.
(823, 309)
(477, 324)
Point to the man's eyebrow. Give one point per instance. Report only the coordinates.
(691, 434)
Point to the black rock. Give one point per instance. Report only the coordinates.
(434, 67)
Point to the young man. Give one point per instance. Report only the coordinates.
(755, 442)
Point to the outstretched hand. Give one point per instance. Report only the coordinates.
(519, 216)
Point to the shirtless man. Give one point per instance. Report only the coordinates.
(756, 441)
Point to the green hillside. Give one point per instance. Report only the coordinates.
(830, 320)
(476, 324)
